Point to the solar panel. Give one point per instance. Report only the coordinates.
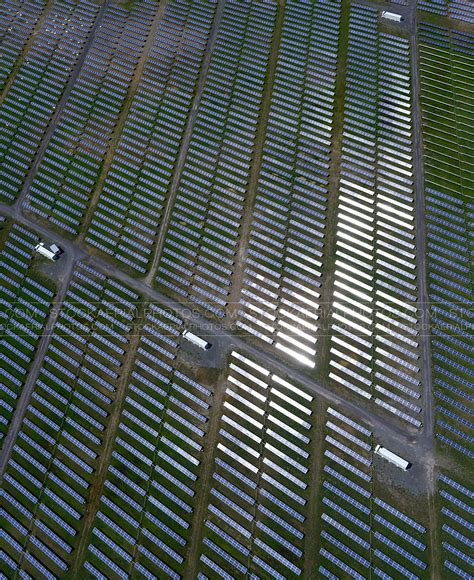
(265, 566)
(244, 496)
(347, 481)
(159, 563)
(108, 562)
(169, 512)
(232, 541)
(357, 557)
(282, 505)
(400, 515)
(457, 570)
(227, 557)
(284, 561)
(400, 550)
(280, 521)
(348, 450)
(245, 514)
(345, 531)
(340, 564)
(347, 465)
(213, 566)
(346, 514)
(413, 541)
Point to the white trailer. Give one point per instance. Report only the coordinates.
(197, 340)
(392, 16)
(50, 254)
(392, 457)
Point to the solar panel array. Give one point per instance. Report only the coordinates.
(131, 459)
(449, 169)
(203, 234)
(279, 301)
(75, 154)
(29, 105)
(374, 347)
(146, 511)
(258, 503)
(48, 479)
(25, 302)
(450, 241)
(128, 215)
(362, 535)
(456, 510)
(447, 102)
(457, 9)
(18, 19)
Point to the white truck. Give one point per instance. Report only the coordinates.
(392, 457)
(196, 340)
(392, 16)
(51, 253)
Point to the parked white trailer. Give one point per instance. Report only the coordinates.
(392, 16)
(52, 253)
(392, 457)
(197, 340)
